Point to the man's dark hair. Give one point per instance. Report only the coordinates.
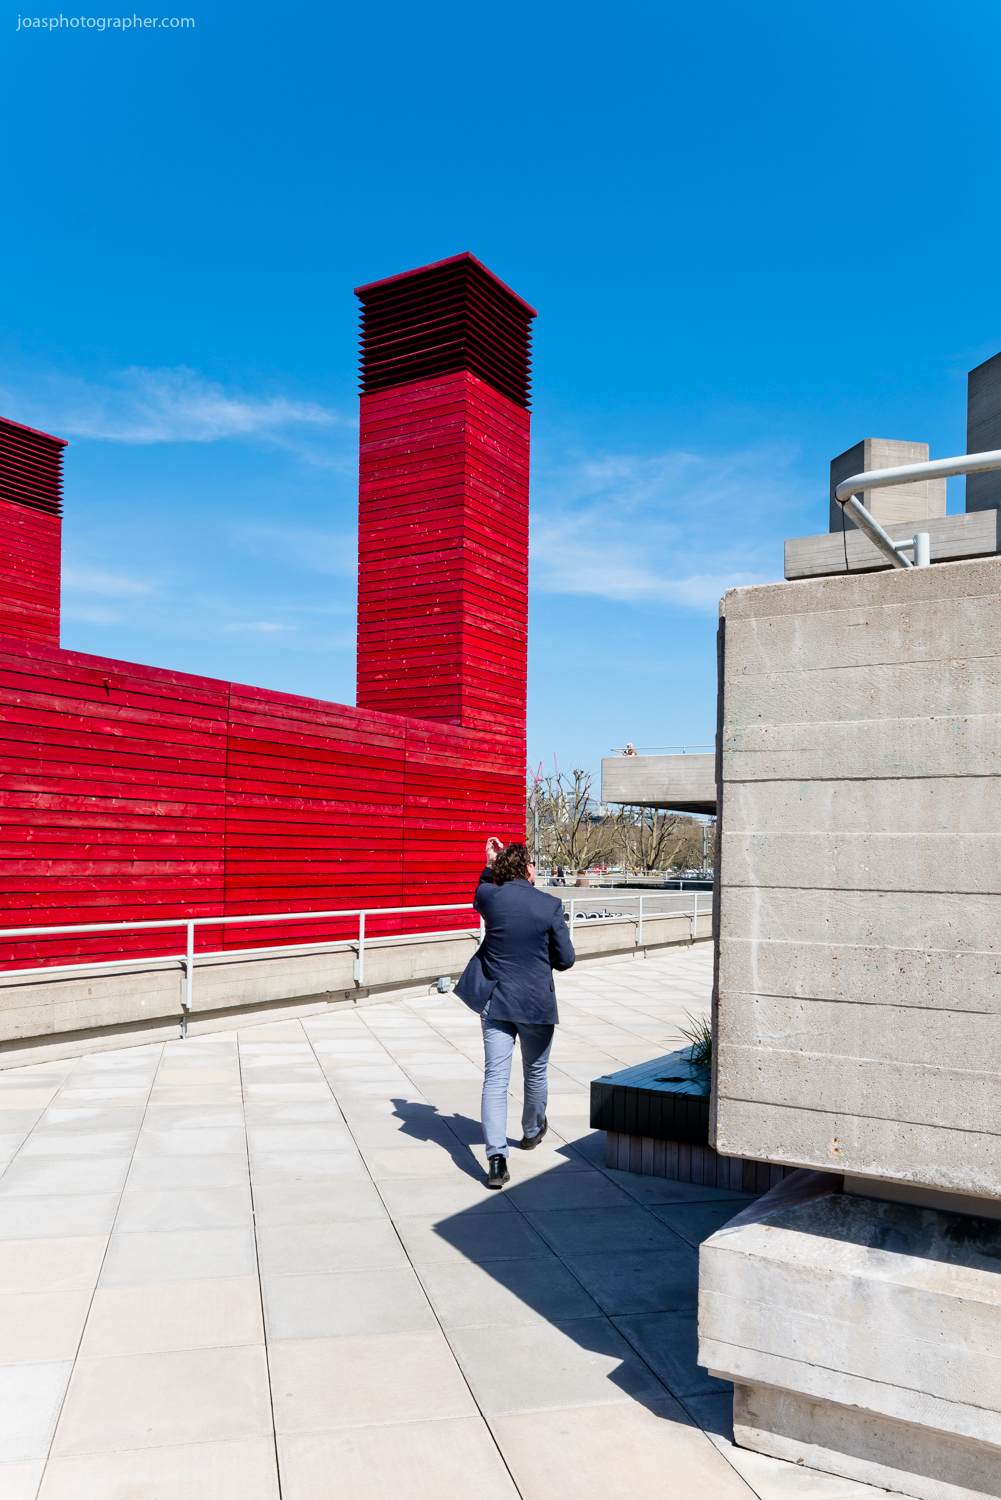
(512, 864)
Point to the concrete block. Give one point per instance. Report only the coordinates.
(983, 431)
(952, 538)
(921, 500)
(863, 1336)
(686, 783)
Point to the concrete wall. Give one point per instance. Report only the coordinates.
(983, 432)
(685, 783)
(859, 1005)
(920, 501)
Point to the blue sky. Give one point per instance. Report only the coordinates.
(754, 234)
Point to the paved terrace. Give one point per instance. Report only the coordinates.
(264, 1262)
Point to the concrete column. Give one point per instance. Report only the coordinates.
(923, 501)
(983, 431)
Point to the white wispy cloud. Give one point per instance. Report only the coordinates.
(84, 580)
(143, 406)
(261, 627)
(306, 547)
(675, 528)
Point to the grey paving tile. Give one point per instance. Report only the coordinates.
(41, 1327)
(295, 1138)
(627, 1450)
(581, 1362)
(505, 1292)
(695, 1222)
(268, 1168)
(56, 1264)
(449, 1459)
(308, 1249)
(76, 1214)
(142, 1259)
(433, 1239)
(66, 1144)
(21, 1481)
(348, 1303)
(152, 1319)
(183, 1208)
(639, 1281)
(582, 1231)
(332, 1384)
(459, 1192)
(168, 1172)
(30, 1398)
(44, 1176)
(566, 1187)
(656, 1190)
(668, 1341)
(207, 1141)
(334, 1201)
(244, 1467)
(157, 1400)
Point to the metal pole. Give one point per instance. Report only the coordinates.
(639, 930)
(535, 845)
(571, 919)
(189, 968)
(695, 916)
(360, 960)
(922, 549)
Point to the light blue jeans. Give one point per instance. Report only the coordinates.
(498, 1048)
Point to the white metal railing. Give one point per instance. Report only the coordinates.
(573, 905)
(875, 479)
(645, 749)
(188, 958)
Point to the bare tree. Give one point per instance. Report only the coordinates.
(573, 833)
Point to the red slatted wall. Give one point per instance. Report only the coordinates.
(30, 532)
(131, 792)
(443, 552)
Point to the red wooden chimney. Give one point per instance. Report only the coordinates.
(31, 484)
(443, 497)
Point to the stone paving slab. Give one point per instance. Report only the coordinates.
(264, 1262)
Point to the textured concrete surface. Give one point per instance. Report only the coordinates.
(983, 431)
(686, 783)
(859, 1015)
(952, 538)
(921, 500)
(269, 1254)
(863, 1336)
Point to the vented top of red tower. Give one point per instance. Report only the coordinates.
(451, 315)
(31, 467)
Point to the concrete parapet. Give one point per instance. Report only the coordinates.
(684, 783)
(862, 1337)
(952, 538)
(83, 1011)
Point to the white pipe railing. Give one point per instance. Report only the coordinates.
(875, 479)
(187, 959)
(580, 916)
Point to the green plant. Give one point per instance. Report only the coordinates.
(699, 1033)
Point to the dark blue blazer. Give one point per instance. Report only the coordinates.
(526, 939)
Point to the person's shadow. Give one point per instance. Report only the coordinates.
(455, 1133)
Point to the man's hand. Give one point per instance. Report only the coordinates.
(494, 847)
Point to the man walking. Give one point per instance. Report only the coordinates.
(509, 980)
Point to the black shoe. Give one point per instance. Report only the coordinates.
(529, 1143)
(498, 1174)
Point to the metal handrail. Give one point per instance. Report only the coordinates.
(187, 959)
(875, 479)
(620, 749)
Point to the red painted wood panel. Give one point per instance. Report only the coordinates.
(30, 542)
